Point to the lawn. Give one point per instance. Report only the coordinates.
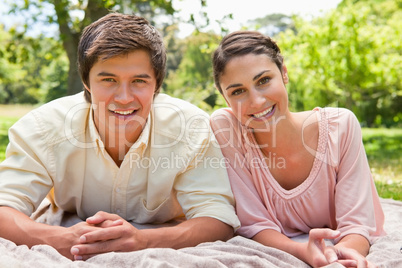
(383, 148)
(384, 152)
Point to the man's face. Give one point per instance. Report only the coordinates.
(122, 89)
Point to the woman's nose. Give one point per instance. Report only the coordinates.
(256, 98)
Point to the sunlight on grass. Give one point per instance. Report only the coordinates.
(384, 152)
(5, 124)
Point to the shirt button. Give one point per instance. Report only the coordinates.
(118, 190)
(118, 211)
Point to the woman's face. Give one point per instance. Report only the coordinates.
(254, 88)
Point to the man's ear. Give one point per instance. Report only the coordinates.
(285, 76)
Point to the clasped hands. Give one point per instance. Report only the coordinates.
(104, 232)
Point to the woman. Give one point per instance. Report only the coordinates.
(292, 173)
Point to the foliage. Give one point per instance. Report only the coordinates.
(272, 24)
(193, 79)
(73, 16)
(351, 57)
(30, 67)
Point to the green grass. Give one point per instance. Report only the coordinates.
(384, 152)
(383, 148)
(5, 124)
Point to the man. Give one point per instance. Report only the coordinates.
(118, 152)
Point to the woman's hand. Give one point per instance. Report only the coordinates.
(353, 247)
(319, 254)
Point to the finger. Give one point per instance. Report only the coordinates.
(83, 257)
(104, 234)
(350, 254)
(330, 254)
(84, 251)
(102, 216)
(107, 224)
(348, 263)
(371, 265)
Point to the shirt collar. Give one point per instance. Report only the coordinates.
(141, 143)
(93, 132)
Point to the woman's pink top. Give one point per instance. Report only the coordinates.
(339, 192)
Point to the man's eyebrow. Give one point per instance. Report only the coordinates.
(105, 74)
(142, 76)
(134, 76)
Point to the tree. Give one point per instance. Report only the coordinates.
(272, 24)
(28, 66)
(193, 79)
(70, 24)
(350, 57)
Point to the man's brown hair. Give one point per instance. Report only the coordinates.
(118, 34)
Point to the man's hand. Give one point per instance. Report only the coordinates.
(70, 237)
(113, 234)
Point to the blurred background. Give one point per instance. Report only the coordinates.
(342, 53)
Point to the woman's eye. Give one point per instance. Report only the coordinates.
(237, 92)
(139, 81)
(263, 80)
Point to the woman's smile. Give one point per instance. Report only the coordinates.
(265, 114)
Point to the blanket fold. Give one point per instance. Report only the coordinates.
(236, 252)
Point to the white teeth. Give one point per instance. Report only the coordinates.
(263, 112)
(124, 112)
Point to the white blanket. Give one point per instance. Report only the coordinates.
(237, 252)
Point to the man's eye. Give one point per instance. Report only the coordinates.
(139, 81)
(109, 80)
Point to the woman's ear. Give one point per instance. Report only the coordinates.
(285, 76)
(87, 88)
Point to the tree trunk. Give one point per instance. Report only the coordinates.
(74, 83)
(70, 38)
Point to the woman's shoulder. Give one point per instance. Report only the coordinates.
(222, 113)
(227, 128)
(337, 112)
(223, 117)
(341, 118)
(341, 129)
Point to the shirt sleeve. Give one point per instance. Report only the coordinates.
(253, 214)
(24, 179)
(203, 190)
(358, 208)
